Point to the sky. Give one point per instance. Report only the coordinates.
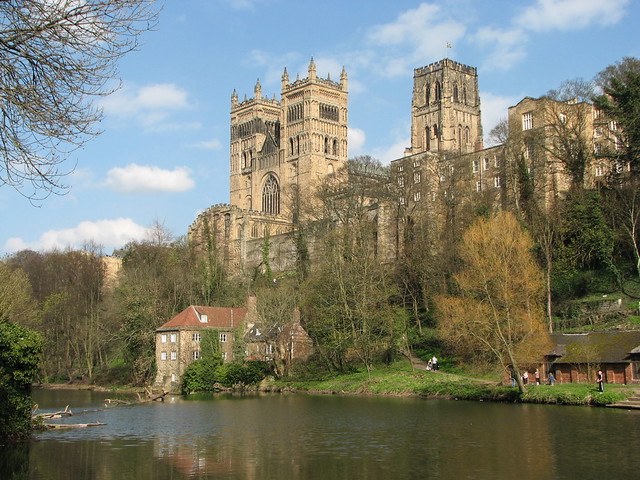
(163, 155)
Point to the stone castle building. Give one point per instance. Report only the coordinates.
(279, 149)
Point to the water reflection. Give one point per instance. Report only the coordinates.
(308, 437)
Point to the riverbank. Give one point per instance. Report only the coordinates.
(400, 379)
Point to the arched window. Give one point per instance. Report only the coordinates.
(298, 144)
(460, 136)
(427, 93)
(244, 160)
(330, 169)
(464, 94)
(291, 146)
(427, 138)
(467, 135)
(455, 93)
(326, 144)
(335, 146)
(438, 91)
(271, 196)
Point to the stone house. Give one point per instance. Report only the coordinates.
(577, 357)
(178, 340)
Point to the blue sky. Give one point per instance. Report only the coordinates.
(163, 154)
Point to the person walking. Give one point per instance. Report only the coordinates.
(537, 375)
(434, 363)
(600, 381)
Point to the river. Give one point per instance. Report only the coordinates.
(298, 436)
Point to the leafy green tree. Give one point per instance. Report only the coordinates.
(497, 314)
(348, 294)
(20, 350)
(620, 102)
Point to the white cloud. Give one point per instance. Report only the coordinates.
(548, 15)
(393, 152)
(507, 47)
(110, 234)
(418, 36)
(494, 108)
(144, 178)
(150, 105)
(213, 144)
(356, 139)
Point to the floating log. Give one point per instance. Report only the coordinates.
(59, 426)
(62, 413)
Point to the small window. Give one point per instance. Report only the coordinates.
(599, 171)
(223, 337)
(563, 118)
(496, 182)
(495, 161)
(195, 337)
(478, 186)
(401, 200)
(174, 338)
(174, 355)
(527, 121)
(476, 166)
(485, 164)
(416, 163)
(401, 168)
(196, 354)
(163, 355)
(416, 196)
(416, 177)
(163, 338)
(401, 181)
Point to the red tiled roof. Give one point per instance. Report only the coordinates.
(217, 317)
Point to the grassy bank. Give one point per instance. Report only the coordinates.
(400, 380)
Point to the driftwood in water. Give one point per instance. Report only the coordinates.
(151, 397)
(59, 426)
(47, 416)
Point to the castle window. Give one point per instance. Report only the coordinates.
(291, 146)
(416, 162)
(401, 182)
(476, 166)
(527, 121)
(330, 169)
(223, 337)
(427, 138)
(196, 355)
(416, 177)
(495, 161)
(485, 164)
(174, 355)
(438, 91)
(163, 338)
(455, 93)
(599, 171)
(496, 182)
(254, 230)
(195, 337)
(174, 338)
(478, 186)
(401, 200)
(329, 112)
(298, 145)
(326, 145)
(163, 355)
(467, 135)
(335, 147)
(271, 196)
(416, 196)
(464, 94)
(427, 93)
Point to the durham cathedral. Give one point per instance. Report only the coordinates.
(279, 149)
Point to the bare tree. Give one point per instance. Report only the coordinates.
(56, 58)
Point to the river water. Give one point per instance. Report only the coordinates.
(300, 436)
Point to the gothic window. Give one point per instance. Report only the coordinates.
(326, 144)
(227, 225)
(464, 94)
(291, 146)
(298, 145)
(527, 121)
(335, 146)
(244, 160)
(476, 166)
(467, 135)
(455, 93)
(427, 93)
(435, 132)
(438, 91)
(254, 231)
(271, 196)
(330, 169)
